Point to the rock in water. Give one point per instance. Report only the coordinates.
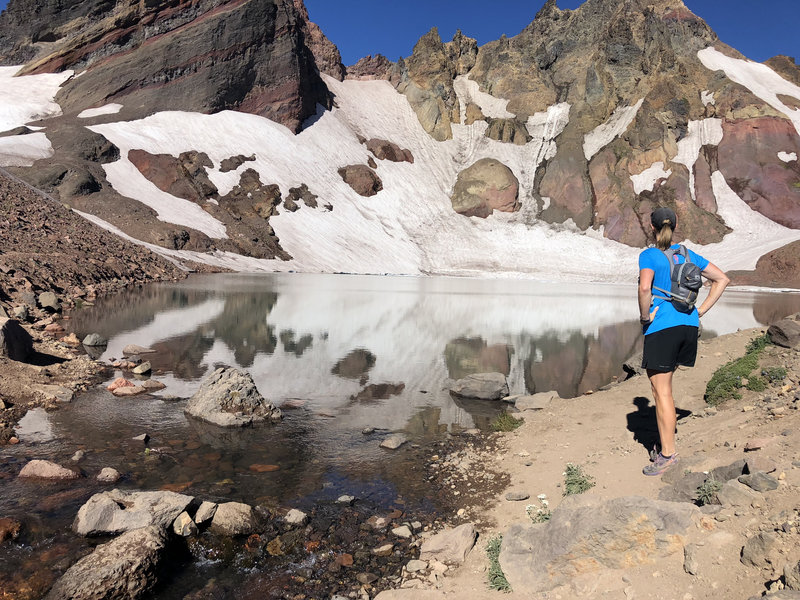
(44, 469)
(118, 511)
(484, 386)
(15, 342)
(94, 339)
(123, 568)
(228, 397)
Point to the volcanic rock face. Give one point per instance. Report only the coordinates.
(169, 54)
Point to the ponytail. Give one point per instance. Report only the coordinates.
(664, 237)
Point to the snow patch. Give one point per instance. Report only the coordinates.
(707, 132)
(605, 133)
(756, 77)
(28, 98)
(469, 91)
(753, 234)
(787, 156)
(707, 98)
(108, 109)
(24, 150)
(646, 180)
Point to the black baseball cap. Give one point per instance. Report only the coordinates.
(662, 216)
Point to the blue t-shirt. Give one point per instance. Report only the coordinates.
(667, 315)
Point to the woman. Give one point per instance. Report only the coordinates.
(670, 335)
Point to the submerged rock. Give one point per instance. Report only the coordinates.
(228, 397)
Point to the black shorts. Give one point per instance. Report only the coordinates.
(666, 349)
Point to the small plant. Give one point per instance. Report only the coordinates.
(539, 514)
(505, 422)
(576, 481)
(497, 580)
(707, 492)
(774, 374)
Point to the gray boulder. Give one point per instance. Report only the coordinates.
(205, 512)
(484, 386)
(785, 333)
(791, 575)
(94, 339)
(234, 518)
(734, 493)
(538, 401)
(49, 301)
(759, 481)
(15, 342)
(125, 567)
(228, 397)
(586, 534)
(760, 550)
(450, 546)
(117, 511)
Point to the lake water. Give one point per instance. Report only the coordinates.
(322, 347)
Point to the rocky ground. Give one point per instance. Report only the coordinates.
(739, 549)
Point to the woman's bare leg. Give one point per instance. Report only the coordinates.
(661, 384)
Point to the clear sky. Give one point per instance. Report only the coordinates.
(759, 29)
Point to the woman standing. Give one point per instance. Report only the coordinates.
(670, 335)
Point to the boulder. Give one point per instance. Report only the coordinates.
(451, 546)
(44, 469)
(538, 401)
(94, 339)
(761, 550)
(484, 386)
(386, 150)
(484, 187)
(362, 179)
(125, 567)
(791, 574)
(108, 475)
(15, 342)
(785, 333)
(184, 526)
(234, 518)
(759, 481)
(205, 512)
(734, 493)
(117, 511)
(229, 398)
(586, 534)
(49, 301)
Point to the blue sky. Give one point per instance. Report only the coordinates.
(759, 29)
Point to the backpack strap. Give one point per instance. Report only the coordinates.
(669, 253)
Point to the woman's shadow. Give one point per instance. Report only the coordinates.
(642, 422)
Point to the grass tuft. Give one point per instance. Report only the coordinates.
(505, 422)
(576, 481)
(497, 579)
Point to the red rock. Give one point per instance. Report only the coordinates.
(362, 179)
(748, 159)
(756, 444)
(128, 390)
(54, 328)
(118, 383)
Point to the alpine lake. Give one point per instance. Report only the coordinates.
(350, 360)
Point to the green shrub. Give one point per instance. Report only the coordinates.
(497, 580)
(576, 481)
(505, 422)
(727, 380)
(756, 384)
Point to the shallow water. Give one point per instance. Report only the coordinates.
(315, 344)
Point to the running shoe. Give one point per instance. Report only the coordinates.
(660, 464)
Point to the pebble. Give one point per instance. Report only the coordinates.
(404, 531)
(78, 456)
(517, 496)
(345, 499)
